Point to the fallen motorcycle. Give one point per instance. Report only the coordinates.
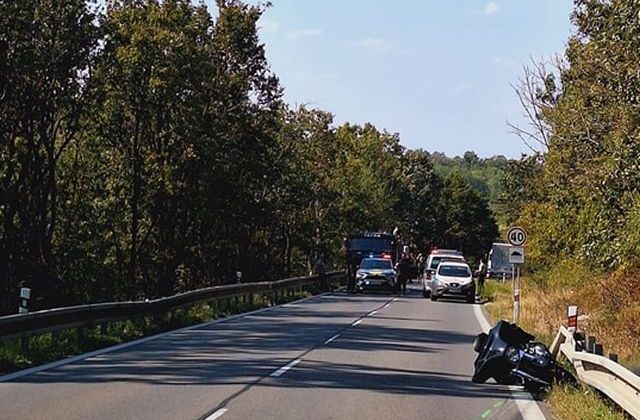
(511, 356)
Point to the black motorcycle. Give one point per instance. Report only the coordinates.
(510, 355)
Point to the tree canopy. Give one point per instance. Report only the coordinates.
(145, 150)
(580, 198)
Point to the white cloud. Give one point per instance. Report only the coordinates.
(373, 44)
(305, 33)
(491, 8)
(503, 62)
(461, 87)
(268, 26)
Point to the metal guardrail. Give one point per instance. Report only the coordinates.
(602, 373)
(58, 319)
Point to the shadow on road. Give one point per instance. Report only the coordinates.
(319, 374)
(246, 350)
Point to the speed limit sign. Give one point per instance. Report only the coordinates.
(516, 236)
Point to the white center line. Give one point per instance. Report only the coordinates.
(372, 313)
(394, 299)
(283, 369)
(332, 338)
(217, 414)
(357, 322)
(386, 306)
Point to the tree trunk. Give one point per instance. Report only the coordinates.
(135, 211)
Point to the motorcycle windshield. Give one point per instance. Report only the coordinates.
(513, 334)
(491, 360)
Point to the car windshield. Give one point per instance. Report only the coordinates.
(435, 261)
(379, 264)
(454, 271)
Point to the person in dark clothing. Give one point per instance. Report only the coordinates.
(482, 273)
(404, 265)
(321, 270)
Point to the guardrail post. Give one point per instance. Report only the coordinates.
(613, 357)
(82, 336)
(598, 349)
(591, 342)
(24, 344)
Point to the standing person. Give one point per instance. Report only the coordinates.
(321, 270)
(403, 273)
(421, 265)
(482, 273)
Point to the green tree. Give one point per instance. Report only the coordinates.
(45, 52)
(589, 118)
(419, 210)
(469, 224)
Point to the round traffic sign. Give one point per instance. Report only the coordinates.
(516, 236)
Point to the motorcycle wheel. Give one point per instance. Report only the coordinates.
(533, 387)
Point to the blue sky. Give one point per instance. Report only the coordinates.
(437, 72)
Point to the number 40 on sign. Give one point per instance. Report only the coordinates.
(516, 236)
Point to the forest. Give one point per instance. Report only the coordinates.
(146, 149)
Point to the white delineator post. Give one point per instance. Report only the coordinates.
(25, 296)
(572, 318)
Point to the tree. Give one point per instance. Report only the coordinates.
(469, 224)
(419, 211)
(46, 49)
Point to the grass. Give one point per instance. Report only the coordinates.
(570, 402)
(544, 299)
(50, 347)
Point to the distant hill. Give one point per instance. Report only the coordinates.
(483, 175)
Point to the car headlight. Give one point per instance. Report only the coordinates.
(513, 355)
(360, 275)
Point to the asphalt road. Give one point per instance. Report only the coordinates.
(329, 357)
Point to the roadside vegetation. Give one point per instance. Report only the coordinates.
(577, 193)
(544, 299)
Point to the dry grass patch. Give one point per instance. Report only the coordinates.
(612, 304)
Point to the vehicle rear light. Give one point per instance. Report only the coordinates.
(386, 256)
(428, 275)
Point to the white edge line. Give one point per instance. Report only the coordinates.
(528, 407)
(217, 414)
(283, 369)
(80, 357)
(331, 339)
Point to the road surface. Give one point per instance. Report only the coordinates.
(328, 357)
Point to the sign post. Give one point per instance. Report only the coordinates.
(517, 237)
